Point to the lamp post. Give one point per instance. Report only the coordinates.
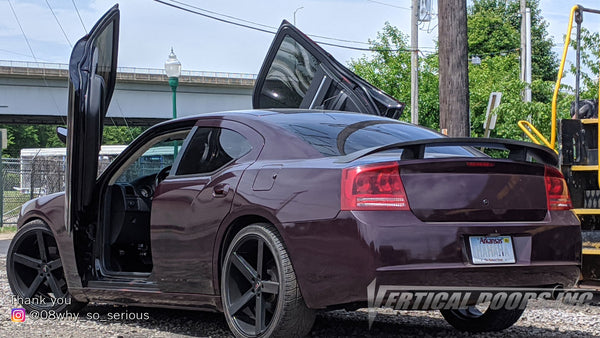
(173, 71)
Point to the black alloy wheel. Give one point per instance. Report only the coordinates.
(258, 287)
(35, 271)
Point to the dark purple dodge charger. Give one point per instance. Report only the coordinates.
(271, 214)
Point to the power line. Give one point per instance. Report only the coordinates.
(263, 25)
(272, 32)
(15, 53)
(59, 25)
(215, 18)
(79, 15)
(501, 52)
(390, 5)
(225, 15)
(22, 31)
(34, 57)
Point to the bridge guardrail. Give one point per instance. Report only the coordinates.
(135, 73)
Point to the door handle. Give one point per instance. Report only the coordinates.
(221, 190)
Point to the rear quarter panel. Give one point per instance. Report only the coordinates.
(302, 193)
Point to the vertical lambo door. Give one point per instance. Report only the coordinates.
(92, 75)
(297, 73)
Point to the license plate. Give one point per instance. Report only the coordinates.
(492, 250)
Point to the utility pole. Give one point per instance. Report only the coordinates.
(454, 76)
(523, 39)
(527, 97)
(526, 49)
(414, 63)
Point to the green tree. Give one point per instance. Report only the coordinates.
(494, 27)
(44, 136)
(30, 136)
(590, 67)
(388, 69)
(120, 134)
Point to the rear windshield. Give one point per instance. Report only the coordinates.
(335, 134)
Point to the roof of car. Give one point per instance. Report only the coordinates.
(276, 116)
(259, 113)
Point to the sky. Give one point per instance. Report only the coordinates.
(149, 29)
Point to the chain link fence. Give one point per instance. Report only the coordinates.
(39, 172)
(30, 177)
(24, 179)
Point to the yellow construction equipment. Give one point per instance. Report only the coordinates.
(576, 142)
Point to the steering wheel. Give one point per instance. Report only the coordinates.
(162, 174)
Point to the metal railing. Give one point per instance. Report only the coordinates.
(127, 70)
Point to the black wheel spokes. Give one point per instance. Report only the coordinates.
(244, 267)
(41, 246)
(38, 276)
(249, 309)
(34, 287)
(30, 262)
(259, 310)
(54, 286)
(270, 287)
(241, 302)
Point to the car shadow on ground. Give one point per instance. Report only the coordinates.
(327, 324)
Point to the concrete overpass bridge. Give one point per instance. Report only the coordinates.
(36, 93)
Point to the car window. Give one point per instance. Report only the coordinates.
(160, 155)
(289, 77)
(210, 149)
(335, 134)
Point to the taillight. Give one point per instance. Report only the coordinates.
(557, 193)
(373, 187)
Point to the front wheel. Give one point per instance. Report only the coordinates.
(260, 295)
(35, 271)
(474, 320)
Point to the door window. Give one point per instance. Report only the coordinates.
(157, 157)
(210, 149)
(289, 77)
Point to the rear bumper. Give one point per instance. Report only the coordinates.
(336, 266)
(455, 275)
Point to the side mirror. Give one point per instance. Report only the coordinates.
(61, 132)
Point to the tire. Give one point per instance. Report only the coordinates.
(473, 320)
(272, 287)
(35, 272)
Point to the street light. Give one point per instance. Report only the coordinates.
(297, 9)
(173, 71)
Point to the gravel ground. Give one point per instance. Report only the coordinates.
(542, 318)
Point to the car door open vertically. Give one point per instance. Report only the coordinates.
(297, 73)
(92, 75)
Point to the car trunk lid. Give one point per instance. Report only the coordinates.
(475, 190)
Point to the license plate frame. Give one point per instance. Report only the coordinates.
(492, 250)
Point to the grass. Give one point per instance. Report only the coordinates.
(8, 229)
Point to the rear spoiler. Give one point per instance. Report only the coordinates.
(413, 150)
